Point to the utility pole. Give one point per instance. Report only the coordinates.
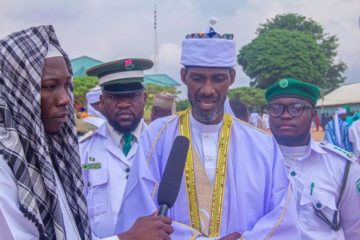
(156, 45)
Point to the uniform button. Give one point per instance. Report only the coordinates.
(293, 173)
(318, 205)
(127, 170)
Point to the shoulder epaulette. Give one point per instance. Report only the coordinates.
(86, 136)
(338, 150)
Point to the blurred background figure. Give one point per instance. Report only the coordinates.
(95, 117)
(254, 118)
(163, 105)
(316, 120)
(265, 120)
(337, 130)
(239, 110)
(354, 135)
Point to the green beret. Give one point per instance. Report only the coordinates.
(290, 87)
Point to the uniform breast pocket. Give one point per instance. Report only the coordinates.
(98, 197)
(318, 201)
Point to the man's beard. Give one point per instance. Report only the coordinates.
(126, 129)
(206, 117)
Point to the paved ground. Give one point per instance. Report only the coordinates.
(317, 135)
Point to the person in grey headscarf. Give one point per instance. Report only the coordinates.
(41, 185)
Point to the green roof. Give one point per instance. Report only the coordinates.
(160, 80)
(81, 64)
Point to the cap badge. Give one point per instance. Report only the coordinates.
(129, 64)
(283, 83)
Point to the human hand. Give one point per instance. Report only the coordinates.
(151, 227)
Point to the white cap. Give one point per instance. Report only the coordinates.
(340, 111)
(93, 96)
(209, 49)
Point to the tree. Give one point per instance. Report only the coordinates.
(329, 43)
(182, 105)
(279, 53)
(81, 86)
(252, 97)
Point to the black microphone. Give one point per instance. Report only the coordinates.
(171, 178)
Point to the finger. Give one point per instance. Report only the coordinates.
(165, 219)
(165, 236)
(167, 228)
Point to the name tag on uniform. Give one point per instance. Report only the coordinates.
(91, 166)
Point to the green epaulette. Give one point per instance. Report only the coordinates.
(338, 150)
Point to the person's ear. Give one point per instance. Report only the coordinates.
(232, 75)
(183, 73)
(145, 97)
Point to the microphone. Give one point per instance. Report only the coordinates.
(171, 178)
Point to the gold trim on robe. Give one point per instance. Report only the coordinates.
(192, 181)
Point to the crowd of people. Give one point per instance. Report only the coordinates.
(239, 182)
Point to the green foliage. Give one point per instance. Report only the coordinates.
(182, 105)
(329, 43)
(252, 97)
(81, 86)
(279, 53)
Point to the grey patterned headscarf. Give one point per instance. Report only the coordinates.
(33, 155)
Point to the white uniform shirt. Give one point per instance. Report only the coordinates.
(317, 172)
(13, 223)
(105, 182)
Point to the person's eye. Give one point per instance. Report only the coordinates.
(297, 106)
(49, 86)
(196, 78)
(219, 78)
(68, 86)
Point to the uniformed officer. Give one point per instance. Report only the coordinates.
(326, 178)
(108, 152)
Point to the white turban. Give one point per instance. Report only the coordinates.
(165, 101)
(93, 96)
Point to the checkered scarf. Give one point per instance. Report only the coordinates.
(33, 155)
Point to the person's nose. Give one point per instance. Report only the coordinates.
(286, 115)
(63, 97)
(208, 88)
(123, 103)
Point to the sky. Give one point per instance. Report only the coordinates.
(114, 29)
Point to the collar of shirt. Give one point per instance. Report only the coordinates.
(117, 136)
(301, 152)
(204, 128)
